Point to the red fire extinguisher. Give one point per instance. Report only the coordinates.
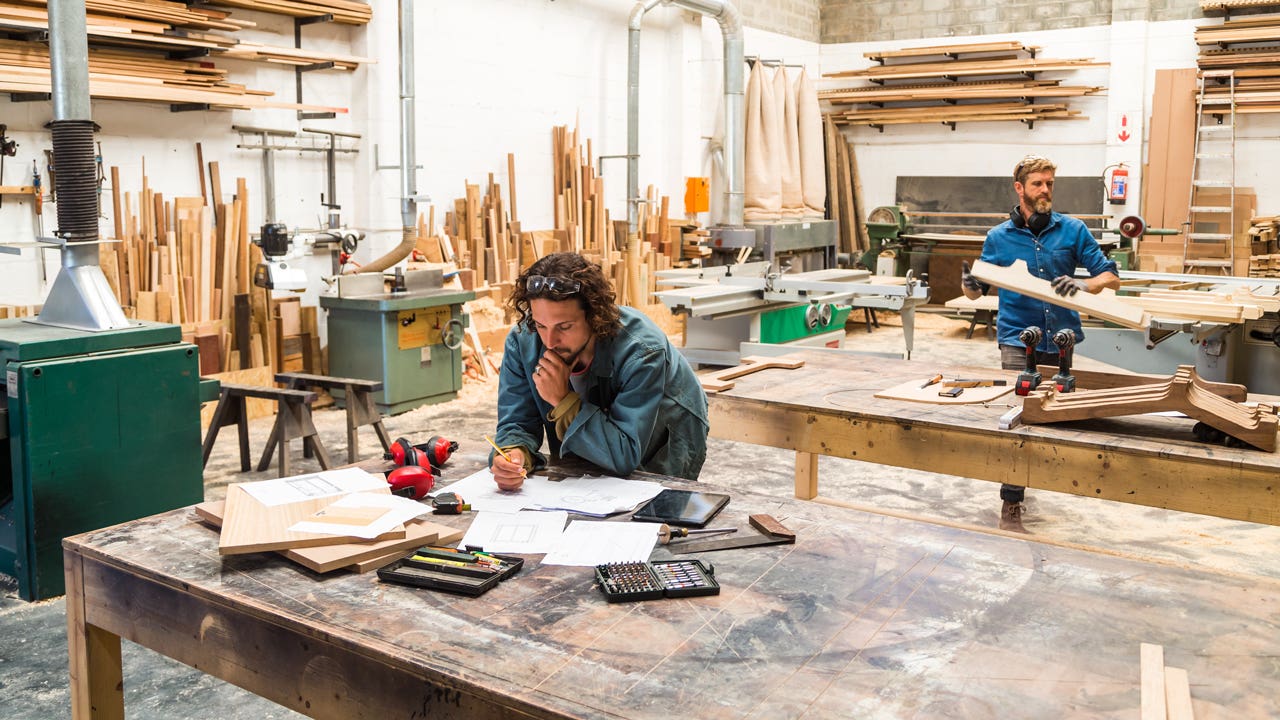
(1118, 187)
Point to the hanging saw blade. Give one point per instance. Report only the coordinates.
(771, 532)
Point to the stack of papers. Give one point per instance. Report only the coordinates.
(594, 496)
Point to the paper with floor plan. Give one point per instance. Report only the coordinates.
(531, 533)
(309, 486)
(598, 496)
(362, 515)
(588, 543)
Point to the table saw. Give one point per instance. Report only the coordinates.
(730, 308)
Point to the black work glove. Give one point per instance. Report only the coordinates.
(1067, 286)
(968, 281)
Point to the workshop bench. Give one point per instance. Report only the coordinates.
(360, 406)
(293, 420)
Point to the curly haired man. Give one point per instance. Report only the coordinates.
(600, 381)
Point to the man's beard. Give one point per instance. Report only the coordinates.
(1041, 205)
(570, 356)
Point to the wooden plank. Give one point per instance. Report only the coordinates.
(916, 390)
(1104, 304)
(1177, 694)
(1151, 665)
(249, 526)
(355, 556)
(720, 381)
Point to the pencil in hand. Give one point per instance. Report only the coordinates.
(503, 453)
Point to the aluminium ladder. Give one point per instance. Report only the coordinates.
(1216, 169)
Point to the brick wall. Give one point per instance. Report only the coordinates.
(795, 18)
(868, 20)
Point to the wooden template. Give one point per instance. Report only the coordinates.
(1182, 393)
(722, 379)
(251, 526)
(356, 556)
(912, 392)
(1103, 305)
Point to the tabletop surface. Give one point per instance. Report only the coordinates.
(864, 616)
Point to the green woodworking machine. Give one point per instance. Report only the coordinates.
(97, 428)
(409, 339)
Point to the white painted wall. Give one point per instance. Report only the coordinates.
(492, 77)
(1135, 50)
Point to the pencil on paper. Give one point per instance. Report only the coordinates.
(501, 452)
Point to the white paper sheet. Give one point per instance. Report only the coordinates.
(598, 496)
(313, 485)
(589, 543)
(362, 515)
(531, 533)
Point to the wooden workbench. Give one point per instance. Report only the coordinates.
(865, 616)
(828, 407)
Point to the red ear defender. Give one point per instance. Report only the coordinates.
(438, 450)
(411, 481)
(403, 453)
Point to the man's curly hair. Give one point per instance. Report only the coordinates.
(596, 297)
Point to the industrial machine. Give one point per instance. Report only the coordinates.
(1246, 352)
(408, 338)
(804, 245)
(733, 307)
(96, 428)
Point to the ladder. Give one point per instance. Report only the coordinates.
(1212, 166)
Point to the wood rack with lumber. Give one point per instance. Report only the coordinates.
(131, 43)
(995, 84)
(845, 206)
(1251, 48)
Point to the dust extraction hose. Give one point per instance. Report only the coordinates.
(397, 253)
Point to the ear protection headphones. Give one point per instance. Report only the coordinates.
(411, 481)
(1038, 222)
(404, 454)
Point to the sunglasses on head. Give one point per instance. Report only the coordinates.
(1028, 160)
(557, 286)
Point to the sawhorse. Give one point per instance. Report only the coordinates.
(361, 409)
(293, 420)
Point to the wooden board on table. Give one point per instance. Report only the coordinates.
(251, 526)
(1103, 305)
(355, 556)
(912, 391)
(722, 379)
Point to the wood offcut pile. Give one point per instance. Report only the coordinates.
(483, 237)
(996, 81)
(130, 46)
(1250, 48)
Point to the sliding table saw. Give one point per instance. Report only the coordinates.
(732, 306)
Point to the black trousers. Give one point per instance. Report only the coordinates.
(1014, 357)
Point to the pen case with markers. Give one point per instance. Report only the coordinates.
(464, 578)
(630, 581)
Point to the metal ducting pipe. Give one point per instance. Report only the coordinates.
(725, 13)
(408, 150)
(80, 297)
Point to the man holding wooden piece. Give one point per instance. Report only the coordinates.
(1053, 245)
(602, 382)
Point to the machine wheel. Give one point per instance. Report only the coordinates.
(451, 334)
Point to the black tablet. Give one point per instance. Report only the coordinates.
(682, 507)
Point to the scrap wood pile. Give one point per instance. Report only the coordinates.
(483, 237)
(934, 85)
(189, 261)
(130, 45)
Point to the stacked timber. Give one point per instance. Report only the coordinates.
(131, 41)
(935, 85)
(1250, 48)
(347, 12)
(1264, 260)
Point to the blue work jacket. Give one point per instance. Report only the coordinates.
(1062, 247)
(642, 406)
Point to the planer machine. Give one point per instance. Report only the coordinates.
(732, 308)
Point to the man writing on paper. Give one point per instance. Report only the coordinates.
(602, 382)
(1053, 246)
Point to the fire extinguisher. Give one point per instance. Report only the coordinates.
(1118, 186)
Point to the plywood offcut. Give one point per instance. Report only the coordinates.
(912, 392)
(253, 527)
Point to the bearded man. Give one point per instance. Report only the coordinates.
(1054, 246)
(601, 382)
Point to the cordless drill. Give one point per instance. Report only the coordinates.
(1029, 379)
(1064, 381)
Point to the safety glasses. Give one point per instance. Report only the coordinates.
(1028, 161)
(554, 286)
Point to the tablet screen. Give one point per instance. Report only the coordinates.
(682, 507)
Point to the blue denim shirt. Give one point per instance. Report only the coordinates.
(642, 406)
(1062, 247)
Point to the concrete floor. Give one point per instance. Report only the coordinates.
(33, 660)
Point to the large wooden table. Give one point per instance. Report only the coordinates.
(828, 407)
(865, 616)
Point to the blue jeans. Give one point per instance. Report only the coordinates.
(1014, 357)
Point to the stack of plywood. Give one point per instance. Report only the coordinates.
(936, 86)
(1250, 47)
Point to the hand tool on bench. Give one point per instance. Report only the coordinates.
(771, 532)
(1029, 379)
(667, 534)
(973, 382)
(1064, 382)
